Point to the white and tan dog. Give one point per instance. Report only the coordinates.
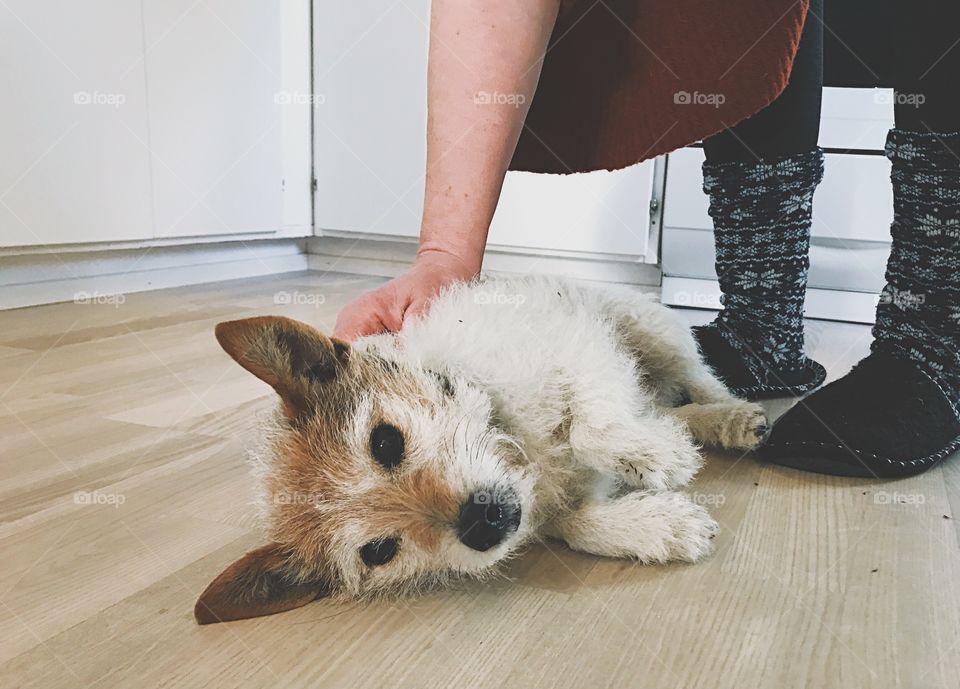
(517, 409)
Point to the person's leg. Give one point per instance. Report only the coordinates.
(918, 317)
(924, 150)
(484, 65)
(898, 412)
(760, 177)
(790, 124)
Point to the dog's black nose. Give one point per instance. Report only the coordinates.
(486, 519)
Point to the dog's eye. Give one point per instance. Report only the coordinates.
(379, 552)
(386, 445)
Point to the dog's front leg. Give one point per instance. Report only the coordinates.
(731, 425)
(649, 452)
(643, 526)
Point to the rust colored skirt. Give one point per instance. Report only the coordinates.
(627, 80)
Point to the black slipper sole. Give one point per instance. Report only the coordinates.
(813, 377)
(837, 460)
(887, 418)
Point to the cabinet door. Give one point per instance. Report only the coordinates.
(370, 79)
(370, 66)
(594, 213)
(74, 161)
(215, 94)
(856, 119)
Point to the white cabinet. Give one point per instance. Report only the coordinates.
(605, 213)
(854, 201)
(370, 65)
(213, 83)
(370, 79)
(851, 225)
(74, 161)
(154, 119)
(855, 119)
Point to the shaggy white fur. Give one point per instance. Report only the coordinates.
(586, 380)
(516, 409)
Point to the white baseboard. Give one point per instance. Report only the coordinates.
(48, 275)
(384, 257)
(53, 276)
(285, 232)
(824, 304)
(29, 279)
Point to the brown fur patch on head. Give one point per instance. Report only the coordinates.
(320, 485)
(313, 472)
(291, 357)
(420, 507)
(311, 469)
(325, 494)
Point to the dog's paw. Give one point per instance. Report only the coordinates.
(670, 527)
(664, 466)
(687, 529)
(741, 426)
(693, 532)
(650, 528)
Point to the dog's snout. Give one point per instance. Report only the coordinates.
(486, 520)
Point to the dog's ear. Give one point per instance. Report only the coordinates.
(290, 356)
(259, 583)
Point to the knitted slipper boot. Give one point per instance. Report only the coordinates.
(898, 412)
(762, 215)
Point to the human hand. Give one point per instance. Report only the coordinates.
(384, 309)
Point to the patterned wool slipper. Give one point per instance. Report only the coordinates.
(746, 375)
(885, 419)
(761, 218)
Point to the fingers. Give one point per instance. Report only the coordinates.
(393, 314)
(416, 308)
(386, 308)
(351, 325)
(358, 319)
(370, 314)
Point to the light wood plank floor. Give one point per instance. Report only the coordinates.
(816, 582)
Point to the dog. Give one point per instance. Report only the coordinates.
(517, 409)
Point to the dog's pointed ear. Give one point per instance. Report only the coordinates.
(259, 583)
(288, 355)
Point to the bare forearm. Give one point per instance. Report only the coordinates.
(485, 59)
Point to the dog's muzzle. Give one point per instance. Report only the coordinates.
(487, 518)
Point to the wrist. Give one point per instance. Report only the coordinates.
(464, 267)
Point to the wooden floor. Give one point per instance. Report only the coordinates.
(123, 491)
